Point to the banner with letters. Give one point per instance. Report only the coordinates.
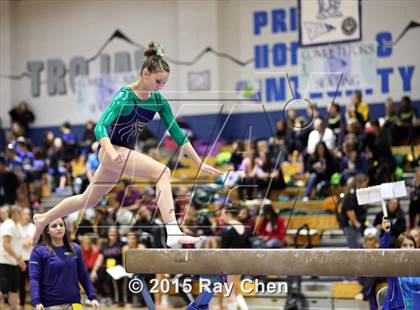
(329, 21)
(94, 93)
(322, 67)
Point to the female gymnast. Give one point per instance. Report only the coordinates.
(133, 107)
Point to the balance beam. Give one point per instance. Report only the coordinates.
(298, 262)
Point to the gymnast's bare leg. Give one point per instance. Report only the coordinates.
(133, 164)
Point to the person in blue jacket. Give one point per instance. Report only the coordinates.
(56, 268)
(400, 289)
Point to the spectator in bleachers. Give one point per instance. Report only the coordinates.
(70, 143)
(301, 129)
(233, 175)
(26, 159)
(89, 250)
(126, 202)
(127, 195)
(4, 214)
(15, 132)
(352, 215)
(291, 118)
(391, 112)
(146, 223)
(391, 120)
(320, 133)
(204, 224)
(182, 198)
(84, 225)
(254, 146)
(312, 112)
(47, 141)
(396, 217)
(248, 181)
(58, 169)
(406, 121)
(270, 229)
(358, 109)
(268, 173)
(88, 135)
(39, 168)
(415, 233)
(189, 221)
(247, 220)
(233, 236)
(238, 150)
(286, 134)
(368, 293)
(27, 229)
(355, 129)
(337, 123)
(322, 166)
(25, 156)
(377, 146)
(109, 256)
(130, 298)
(125, 219)
(350, 140)
(92, 163)
(9, 184)
(277, 151)
(11, 256)
(353, 162)
(103, 219)
(22, 115)
(149, 199)
(414, 209)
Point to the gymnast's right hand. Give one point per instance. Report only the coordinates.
(39, 307)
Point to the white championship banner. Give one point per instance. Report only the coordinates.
(321, 67)
(94, 93)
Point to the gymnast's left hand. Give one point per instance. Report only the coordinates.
(210, 169)
(95, 304)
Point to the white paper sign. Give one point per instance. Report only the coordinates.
(118, 272)
(362, 196)
(381, 192)
(399, 189)
(387, 190)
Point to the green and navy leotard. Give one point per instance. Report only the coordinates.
(127, 114)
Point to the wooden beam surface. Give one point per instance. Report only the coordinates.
(303, 262)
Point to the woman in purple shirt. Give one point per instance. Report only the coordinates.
(56, 268)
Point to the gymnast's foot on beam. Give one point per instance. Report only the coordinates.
(176, 237)
(178, 240)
